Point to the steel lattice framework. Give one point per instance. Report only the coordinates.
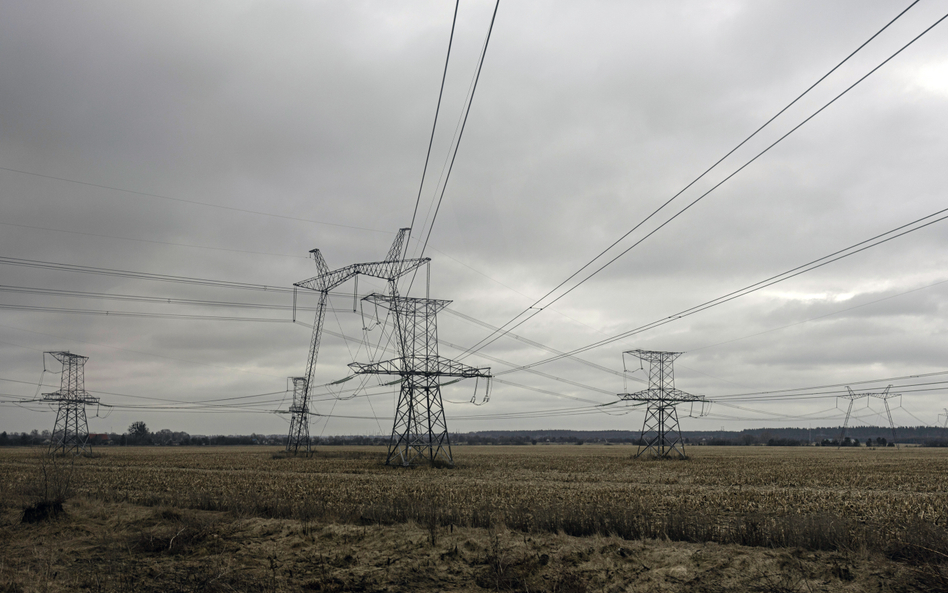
(71, 430)
(299, 418)
(852, 396)
(946, 418)
(661, 435)
(390, 269)
(420, 430)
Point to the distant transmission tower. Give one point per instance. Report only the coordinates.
(946, 418)
(390, 269)
(661, 435)
(71, 431)
(299, 418)
(852, 396)
(420, 431)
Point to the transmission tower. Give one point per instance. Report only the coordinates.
(946, 418)
(71, 431)
(661, 435)
(852, 396)
(299, 418)
(390, 269)
(420, 430)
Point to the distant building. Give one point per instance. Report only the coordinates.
(99, 439)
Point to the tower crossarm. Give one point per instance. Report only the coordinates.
(420, 366)
(658, 395)
(391, 269)
(79, 397)
(386, 270)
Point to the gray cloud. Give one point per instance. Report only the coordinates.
(587, 117)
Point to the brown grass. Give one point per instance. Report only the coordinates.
(504, 518)
(111, 547)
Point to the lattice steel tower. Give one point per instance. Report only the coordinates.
(299, 418)
(946, 418)
(390, 269)
(852, 396)
(71, 431)
(420, 430)
(661, 436)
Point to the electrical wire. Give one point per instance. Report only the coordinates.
(802, 269)
(535, 306)
(457, 144)
(143, 315)
(13, 261)
(434, 125)
(150, 299)
(849, 383)
(767, 331)
(200, 282)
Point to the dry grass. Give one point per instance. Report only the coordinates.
(506, 518)
(111, 547)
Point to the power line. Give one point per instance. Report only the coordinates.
(802, 269)
(13, 261)
(143, 315)
(864, 382)
(467, 112)
(534, 307)
(155, 299)
(767, 331)
(434, 126)
(540, 346)
(123, 297)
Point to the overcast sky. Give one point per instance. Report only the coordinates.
(224, 140)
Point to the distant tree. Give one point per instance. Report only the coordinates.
(138, 432)
(4, 439)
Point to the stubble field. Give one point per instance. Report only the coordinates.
(568, 518)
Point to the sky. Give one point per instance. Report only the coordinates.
(225, 140)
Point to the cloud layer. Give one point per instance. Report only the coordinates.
(225, 140)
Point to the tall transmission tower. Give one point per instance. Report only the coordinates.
(420, 430)
(390, 269)
(661, 435)
(946, 418)
(299, 418)
(71, 430)
(852, 396)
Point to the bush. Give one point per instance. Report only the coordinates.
(50, 487)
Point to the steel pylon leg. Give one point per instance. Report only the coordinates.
(661, 436)
(420, 431)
